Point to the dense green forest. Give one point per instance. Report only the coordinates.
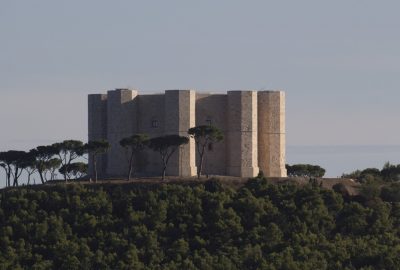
(203, 225)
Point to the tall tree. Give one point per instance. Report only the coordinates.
(79, 169)
(43, 154)
(305, 170)
(390, 172)
(30, 165)
(5, 163)
(166, 147)
(204, 136)
(68, 151)
(51, 166)
(95, 149)
(76, 170)
(133, 145)
(65, 171)
(4, 166)
(13, 164)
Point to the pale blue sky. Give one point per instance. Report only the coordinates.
(338, 62)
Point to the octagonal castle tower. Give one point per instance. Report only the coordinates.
(253, 124)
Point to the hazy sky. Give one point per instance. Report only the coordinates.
(338, 62)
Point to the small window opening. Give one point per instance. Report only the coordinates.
(154, 124)
(210, 147)
(209, 121)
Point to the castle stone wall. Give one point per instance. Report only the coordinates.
(178, 119)
(97, 127)
(151, 114)
(242, 149)
(122, 122)
(271, 137)
(253, 124)
(211, 109)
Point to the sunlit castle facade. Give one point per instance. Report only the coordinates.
(253, 124)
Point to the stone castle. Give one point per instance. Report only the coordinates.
(253, 124)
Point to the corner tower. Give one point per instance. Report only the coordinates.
(97, 128)
(271, 133)
(121, 123)
(242, 134)
(180, 115)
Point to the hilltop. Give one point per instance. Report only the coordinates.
(196, 225)
(351, 187)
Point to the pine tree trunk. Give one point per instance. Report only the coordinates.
(129, 173)
(41, 176)
(15, 184)
(130, 166)
(9, 176)
(164, 172)
(165, 162)
(95, 168)
(200, 168)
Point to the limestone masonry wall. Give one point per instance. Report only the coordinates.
(179, 117)
(271, 137)
(97, 127)
(121, 122)
(150, 122)
(253, 124)
(212, 109)
(242, 133)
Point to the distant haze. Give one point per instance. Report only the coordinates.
(338, 61)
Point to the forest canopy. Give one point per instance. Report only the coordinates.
(203, 225)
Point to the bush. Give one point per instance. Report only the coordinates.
(341, 189)
(305, 170)
(213, 185)
(391, 193)
(370, 191)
